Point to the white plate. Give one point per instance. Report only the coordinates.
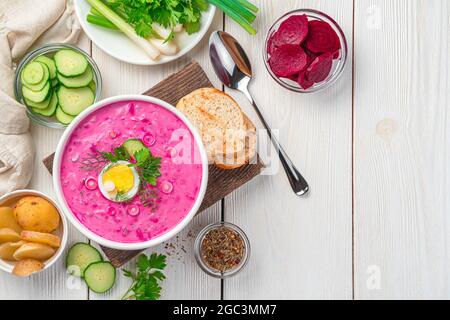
(120, 47)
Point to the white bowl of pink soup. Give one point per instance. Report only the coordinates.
(160, 210)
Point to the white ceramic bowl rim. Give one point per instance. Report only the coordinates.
(82, 228)
(8, 267)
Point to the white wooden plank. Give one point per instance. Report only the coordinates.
(53, 283)
(301, 247)
(402, 230)
(185, 280)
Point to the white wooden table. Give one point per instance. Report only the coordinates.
(375, 149)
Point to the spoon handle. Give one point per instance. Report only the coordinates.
(298, 183)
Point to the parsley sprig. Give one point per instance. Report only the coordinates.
(147, 278)
(168, 13)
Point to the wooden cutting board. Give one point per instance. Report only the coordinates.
(220, 182)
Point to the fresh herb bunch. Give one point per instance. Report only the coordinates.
(147, 165)
(168, 13)
(147, 278)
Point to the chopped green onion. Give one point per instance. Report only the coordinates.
(248, 5)
(239, 9)
(234, 15)
(100, 21)
(125, 28)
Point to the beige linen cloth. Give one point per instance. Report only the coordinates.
(25, 24)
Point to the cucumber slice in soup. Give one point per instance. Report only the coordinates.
(33, 73)
(100, 276)
(50, 110)
(39, 105)
(36, 96)
(78, 81)
(70, 63)
(63, 117)
(81, 255)
(133, 145)
(49, 63)
(74, 100)
(40, 85)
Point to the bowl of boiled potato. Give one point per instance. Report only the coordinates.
(33, 233)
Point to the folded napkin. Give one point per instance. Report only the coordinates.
(25, 24)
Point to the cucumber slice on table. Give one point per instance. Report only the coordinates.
(51, 108)
(40, 85)
(63, 117)
(33, 73)
(133, 145)
(49, 63)
(36, 96)
(100, 276)
(78, 81)
(81, 255)
(70, 63)
(74, 100)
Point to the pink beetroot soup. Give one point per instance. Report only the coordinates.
(167, 137)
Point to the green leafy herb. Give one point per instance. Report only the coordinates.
(118, 154)
(149, 165)
(147, 278)
(168, 13)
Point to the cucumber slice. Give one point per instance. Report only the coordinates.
(100, 276)
(133, 145)
(70, 63)
(92, 86)
(81, 254)
(77, 82)
(49, 63)
(55, 82)
(38, 86)
(63, 117)
(50, 110)
(39, 105)
(33, 73)
(74, 101)
(36, 96)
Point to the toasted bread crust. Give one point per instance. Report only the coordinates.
(222, 125)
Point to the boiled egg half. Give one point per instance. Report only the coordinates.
(118, 181)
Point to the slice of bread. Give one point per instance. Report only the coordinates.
(222, 125)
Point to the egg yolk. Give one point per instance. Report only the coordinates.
(122, 177)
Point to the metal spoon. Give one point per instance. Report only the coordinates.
(233, 68)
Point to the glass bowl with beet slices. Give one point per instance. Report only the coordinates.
(305, 51)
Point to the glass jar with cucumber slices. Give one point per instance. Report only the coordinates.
(57, 82)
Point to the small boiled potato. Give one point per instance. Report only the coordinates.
(7, 250)
(7, 219)
(40, 237)
(36, 214)
(27, 267)
(35, 251)
(9, 235)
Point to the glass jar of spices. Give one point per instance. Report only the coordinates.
(222, 249)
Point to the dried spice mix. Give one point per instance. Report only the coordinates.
(222, 249)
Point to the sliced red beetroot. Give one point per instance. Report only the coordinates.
(293, 30)
(303, 81)
(288, 60)
(270, 45)
(322, 38)
(320, 68)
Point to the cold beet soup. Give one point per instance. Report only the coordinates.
(131, 171)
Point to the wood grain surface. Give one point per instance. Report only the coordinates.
(374, 148)
(220, 182)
